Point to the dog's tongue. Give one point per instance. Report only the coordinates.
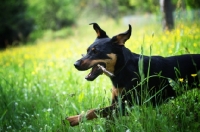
(95, 72)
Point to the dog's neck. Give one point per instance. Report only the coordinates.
(122, 59)
(122, 65)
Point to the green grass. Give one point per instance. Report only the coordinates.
(39, 86)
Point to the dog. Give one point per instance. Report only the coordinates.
(132, 73)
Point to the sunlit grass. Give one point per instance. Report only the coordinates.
(39, 85)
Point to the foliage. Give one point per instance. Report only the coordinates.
(39, 86)
(193, 3)
(146, 5)
(15, 24)
(20, 18)
(53, 14)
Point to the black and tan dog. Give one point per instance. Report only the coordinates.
(125, 69)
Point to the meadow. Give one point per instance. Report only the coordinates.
(39, 86)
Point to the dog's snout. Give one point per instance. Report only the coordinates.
(77, 64)
(81, 65)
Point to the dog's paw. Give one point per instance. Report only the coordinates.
(74, 120)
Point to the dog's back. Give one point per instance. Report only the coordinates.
(157, 73)
(186, 64)
(174, 67)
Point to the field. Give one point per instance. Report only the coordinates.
(39, 85)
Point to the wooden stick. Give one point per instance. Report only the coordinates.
(105, 71)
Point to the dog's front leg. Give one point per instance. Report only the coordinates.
(95, 113)
(91, 114)
(75, 120)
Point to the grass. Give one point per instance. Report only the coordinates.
(39, 86)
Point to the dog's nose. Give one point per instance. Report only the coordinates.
(77, 64)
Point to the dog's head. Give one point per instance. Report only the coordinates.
(104, 51)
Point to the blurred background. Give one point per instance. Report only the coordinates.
(23, 21)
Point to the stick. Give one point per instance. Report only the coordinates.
(105, 71)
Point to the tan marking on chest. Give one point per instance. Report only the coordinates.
(117, 92)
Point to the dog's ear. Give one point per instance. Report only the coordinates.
(100, 33)
(122, 37)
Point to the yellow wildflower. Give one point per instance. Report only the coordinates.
(170, 51)
(193, 75)
(181, 79)
(195, 44)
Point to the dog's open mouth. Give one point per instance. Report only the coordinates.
(94, 73)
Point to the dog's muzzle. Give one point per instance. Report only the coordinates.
(94, 73)
(77, 64)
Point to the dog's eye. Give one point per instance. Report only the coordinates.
(94, 51)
